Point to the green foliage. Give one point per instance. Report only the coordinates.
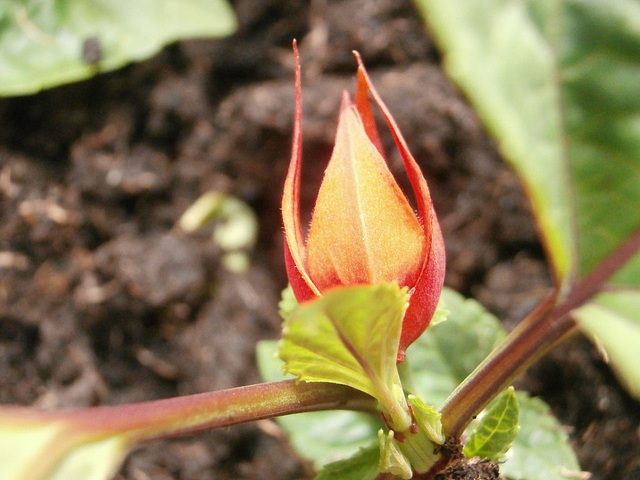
(541, 450)
(362, 466)
(42, 42)
(614, 319)
(446, 353)
(497, 429)
(392, 458)
(556, 82)
(350, 336)
(235, 229)
(439, 361)
(39, 449)
(322, 437)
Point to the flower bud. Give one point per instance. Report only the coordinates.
(363, 229)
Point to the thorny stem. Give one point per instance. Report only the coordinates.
(536, 335)
(193, 413)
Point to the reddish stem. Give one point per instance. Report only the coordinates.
(192, 413)
(536, 335)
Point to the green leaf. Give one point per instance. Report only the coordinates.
(556, 82)
(541, 451)
(362, 466)
(322, 437)
(613, 319)
(42, 42)
(497, 429)
(40, 449)
(350, 336)
(288, 303)
(235, 229)
(446, 353)
(429, 419)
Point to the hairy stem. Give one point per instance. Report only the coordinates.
(534, 337)
(544, 328)
(192, 413)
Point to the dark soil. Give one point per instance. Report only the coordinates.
(103, 300)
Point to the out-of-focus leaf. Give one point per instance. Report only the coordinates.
(556, 82)
(497, 429)
(362, 466)
(33, 448)
(322, 437)
(48, 43)
(235, 228)
(541, 451)
(613, 319)
(446, 353)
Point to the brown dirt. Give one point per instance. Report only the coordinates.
(104, 301)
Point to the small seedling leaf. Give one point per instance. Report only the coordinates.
(498, 428)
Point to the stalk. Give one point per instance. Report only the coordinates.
(529, 341)
(543, 329)
(171, 417)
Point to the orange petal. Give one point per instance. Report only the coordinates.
(363, 229)
(429, 286)
(363, 104)
(291, 201)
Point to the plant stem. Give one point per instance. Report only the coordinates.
(529, 341)
(544, 328)
(192, 413)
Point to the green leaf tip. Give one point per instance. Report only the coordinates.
(350, 336)
(497, 429)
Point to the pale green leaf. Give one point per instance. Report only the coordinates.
(498, 427)
(541, 451)
(613, 320)
(362, 466)
(392, 458)
(350, 336)
(556, 82)
(322, 437)
(439, 361)
(42, 42)
(446, 353)
(428, 418)
(288, 302)
(34, 448)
